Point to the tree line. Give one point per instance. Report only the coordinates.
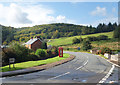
(52, 31)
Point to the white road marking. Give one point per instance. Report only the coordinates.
(108, 61)
(59, 76)
(68, 72)
(105, 78)
(82, 65)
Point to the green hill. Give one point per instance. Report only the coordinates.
(52, 31)
(68, 40)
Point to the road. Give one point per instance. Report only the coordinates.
(85, 68)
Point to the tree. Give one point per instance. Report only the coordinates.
(44, 45)
(76, 40)
(110, 27)
(117, 33)
(86, 45)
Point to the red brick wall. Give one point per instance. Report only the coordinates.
(36, 45)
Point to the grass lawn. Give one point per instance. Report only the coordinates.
(68, 40)
(28, 64)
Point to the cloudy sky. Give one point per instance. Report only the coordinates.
(21, 14)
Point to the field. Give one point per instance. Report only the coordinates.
(28, 64)
(66, 42)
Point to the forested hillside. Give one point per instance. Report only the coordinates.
(51, 31)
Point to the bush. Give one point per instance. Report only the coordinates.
(105, 50)
(102, 37)
(86, 45)
(81, 39)
(32, 57)
(92, 38)
(54, 51)
(44, 45)
(21, 52)
(41, 53)
(76, 40)
(6, 54)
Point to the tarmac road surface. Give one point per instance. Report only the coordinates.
(85, 68)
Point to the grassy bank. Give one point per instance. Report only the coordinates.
(28, 64)
(68, 40)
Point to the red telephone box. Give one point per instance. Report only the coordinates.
(60, 52)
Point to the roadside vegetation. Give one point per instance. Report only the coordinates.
(23, 54)
(29, 64)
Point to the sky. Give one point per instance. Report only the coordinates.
(22, 14)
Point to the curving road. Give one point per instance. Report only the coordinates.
(85, 68)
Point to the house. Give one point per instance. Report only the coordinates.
(34, 43)
(94, 50)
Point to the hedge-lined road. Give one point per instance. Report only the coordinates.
(86, 68)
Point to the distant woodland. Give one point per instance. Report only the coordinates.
(52, 31)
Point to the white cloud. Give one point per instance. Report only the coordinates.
(99, 11)
(29, 15)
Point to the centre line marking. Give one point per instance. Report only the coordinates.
(82, 65)
(59, 76)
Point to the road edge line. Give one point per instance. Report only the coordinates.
(107, 75)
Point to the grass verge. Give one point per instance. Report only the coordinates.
(28, 64)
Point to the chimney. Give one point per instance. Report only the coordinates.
(31, 37)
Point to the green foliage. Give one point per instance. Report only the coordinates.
(68, 40)
(106, 28)
(49, 31)
(76, 40)
(8, 34)
(54, 50)
(21, 52)
(44, 45)
(81, 39)
(102, 37)
(105, 50)
(117, 33)
(6, 54)
(86, 45)
(41, 53)
(17, 51)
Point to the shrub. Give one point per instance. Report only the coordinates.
(102, 37)
(6, 54)
(86, 45)
(49, 53)
(105, 50)
(41, 53)
(44, 45)
(92, 38)
(21, 52)
(32, 57)
(81, 39)
(54, 51)
(76, 40)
